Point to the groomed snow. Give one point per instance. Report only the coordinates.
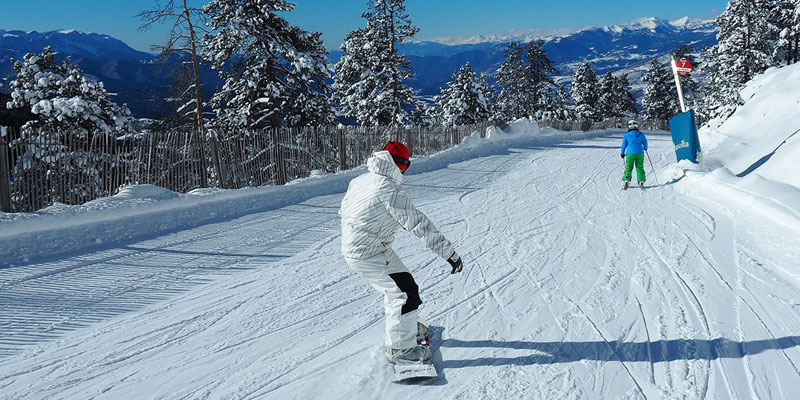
(572, 289)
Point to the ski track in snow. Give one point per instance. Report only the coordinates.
(572, 289)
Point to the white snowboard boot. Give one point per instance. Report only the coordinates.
(418, 354)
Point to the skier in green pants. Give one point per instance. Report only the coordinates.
(634, 144)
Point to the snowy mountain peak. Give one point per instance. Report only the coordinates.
(654, 24)
(651, 23)
(68, 41)
(680, 22)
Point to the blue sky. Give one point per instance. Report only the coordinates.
(334, 18)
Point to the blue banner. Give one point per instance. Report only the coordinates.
(684, 136)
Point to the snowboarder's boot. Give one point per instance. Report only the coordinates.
(641, 185)
(419, 354)
(625, 185)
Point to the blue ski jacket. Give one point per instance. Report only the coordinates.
(634, 142)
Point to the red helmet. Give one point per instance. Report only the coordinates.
(400, 154)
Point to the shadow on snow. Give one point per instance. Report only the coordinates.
(654, 352)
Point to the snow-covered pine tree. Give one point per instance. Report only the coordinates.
(537, 71)
(585, 93)
(660, 96)
(625, 102)
(747, 40)
(606, 102)
(370, 81)
(463, 101)
(562, 104)
(524, 81)
(274, 72)
(488, 94)
(786, 17)
(514, 100)
(77, 126)
(720, 92)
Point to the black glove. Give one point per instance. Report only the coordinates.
(622, 156)
(456, 263)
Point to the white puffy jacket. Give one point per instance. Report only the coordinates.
(376, 205)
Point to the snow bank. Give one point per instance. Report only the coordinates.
(754, 139)
(522, 126)
(753, 156)
(146, 211)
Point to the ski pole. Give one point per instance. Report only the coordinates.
(652, 167)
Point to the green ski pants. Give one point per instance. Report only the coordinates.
(638, 160)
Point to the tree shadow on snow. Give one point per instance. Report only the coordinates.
(653, 352)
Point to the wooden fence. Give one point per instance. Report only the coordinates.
(36, 173)
(5, 173)
(41, 172)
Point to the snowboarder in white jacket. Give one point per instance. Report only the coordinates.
(373, 208)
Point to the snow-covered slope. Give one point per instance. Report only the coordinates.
(572, 289)
(763, 136)
(754, 154)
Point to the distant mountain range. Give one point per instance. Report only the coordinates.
(133, 76)
(142, 83)
(614, 48)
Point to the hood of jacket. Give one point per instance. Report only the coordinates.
(381, 163)
(635, 132)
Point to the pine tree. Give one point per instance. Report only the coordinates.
(747, 43)
(607, 96)
(464, 101)
(562, 104)
(626, 102)
(585, 93)
(747, 39)
(538, 70)
(616, 99)
(370, 81)
(513, 101)
(524, 81)
(786, 17)
(274, 72)
(76, 127)
(660, 96)
(720, 92)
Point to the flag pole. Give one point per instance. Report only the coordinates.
(677, 81)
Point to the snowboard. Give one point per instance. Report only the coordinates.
(408, 370)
